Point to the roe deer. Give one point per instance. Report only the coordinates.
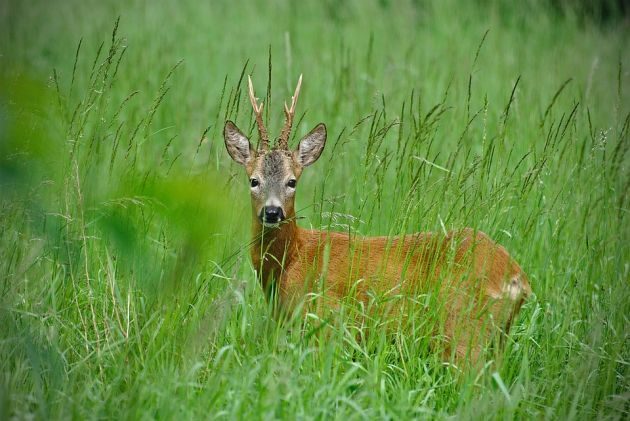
(479, 287)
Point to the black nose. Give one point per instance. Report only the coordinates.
(272, 214)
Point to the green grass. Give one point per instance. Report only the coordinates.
(126, 289)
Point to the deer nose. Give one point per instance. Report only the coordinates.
(272, 214)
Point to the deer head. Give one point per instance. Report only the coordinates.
(274, 171)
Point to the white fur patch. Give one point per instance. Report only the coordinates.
(513, 289)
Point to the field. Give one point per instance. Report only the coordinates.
(126, 287)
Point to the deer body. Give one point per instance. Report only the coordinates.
(479, 287)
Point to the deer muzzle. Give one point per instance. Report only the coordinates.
(271, 215)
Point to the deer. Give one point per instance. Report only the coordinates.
(479, 287)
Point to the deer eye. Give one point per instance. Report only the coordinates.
(253, 182)
(291, 183)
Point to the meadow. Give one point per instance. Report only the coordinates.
(126, 287)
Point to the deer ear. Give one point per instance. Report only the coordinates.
(311, 146)
(237, 144)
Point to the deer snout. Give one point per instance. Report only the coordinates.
(271, 214)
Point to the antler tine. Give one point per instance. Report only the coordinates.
(283, 141)
(262, 131)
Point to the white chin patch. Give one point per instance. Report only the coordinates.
(271, 225)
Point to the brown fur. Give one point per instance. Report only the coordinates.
(480, 286)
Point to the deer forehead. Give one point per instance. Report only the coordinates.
(274, 166)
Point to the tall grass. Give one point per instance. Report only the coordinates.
(126, 285)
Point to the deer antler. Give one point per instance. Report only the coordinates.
(283, 140)
(262, 131)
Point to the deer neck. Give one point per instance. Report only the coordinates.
(273, 248)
